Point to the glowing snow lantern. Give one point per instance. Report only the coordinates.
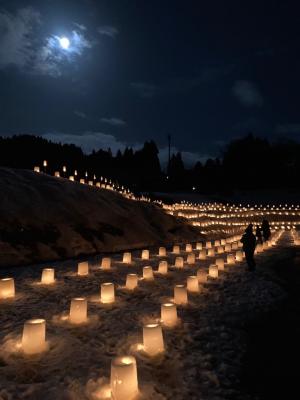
(179, 262)
(145, 255)
(163, 267)
(230, 259)
(227, 247)
(202, 254)
(123, 378)
(7, 288)
(180, 295)
(188, 248)
(220, 249)
(176, 249)
(220, 264)
(131, 281)
(127, 258)
(106, 263)
(211, 252)
(213, 271)
(71, 178)
(153, 339)
(169, 314)
(78, 310)
(107, 292)
(191, 258)
(217, 243)
(48, 276)
(34, 336)
(57, 174)
(202, 276)
(208, 245)
(148, 273)
(82, 180)
(223, 242)
(36, 169)
(193, 284)
(198, 246)
(83, 268)
(162, 252)
(239, 256)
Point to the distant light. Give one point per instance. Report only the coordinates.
(194, 188)
(64, 42)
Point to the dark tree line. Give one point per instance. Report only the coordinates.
(247, 163)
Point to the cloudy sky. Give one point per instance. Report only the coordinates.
(134, 70)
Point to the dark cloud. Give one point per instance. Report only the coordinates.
(247, 94)
(114, 121)
(108, 30)
(80, 114)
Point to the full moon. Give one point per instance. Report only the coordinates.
(64, 42)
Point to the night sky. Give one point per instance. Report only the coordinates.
(203, 71)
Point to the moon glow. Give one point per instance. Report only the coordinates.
(64, 42)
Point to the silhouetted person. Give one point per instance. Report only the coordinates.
(258, 234)
(249, 242)
(265, 227)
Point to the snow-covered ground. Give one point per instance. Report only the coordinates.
(202, 355)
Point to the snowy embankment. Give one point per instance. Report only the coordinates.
(45, 218)
(203, 353)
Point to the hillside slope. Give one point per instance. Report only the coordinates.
(45, 218)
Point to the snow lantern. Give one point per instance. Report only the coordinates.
(153, 339)
(123, 378)
(7, 288)
(107, 292)
(34, 336)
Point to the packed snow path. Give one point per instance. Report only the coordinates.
(203, 353)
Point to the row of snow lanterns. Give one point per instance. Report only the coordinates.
(104, 182)
(124, 382)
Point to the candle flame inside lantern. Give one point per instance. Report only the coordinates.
(78, 310)
(48, 276)
(34, 336)
(123, 378)
(83, 268)
(179, 262)
(169, 314)
(131, 281)
(107, 292)
(163, 267)
(193, 284)
(145, 255)
(106, 263)
(153, 339)
(127, 258)
(180, 295)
